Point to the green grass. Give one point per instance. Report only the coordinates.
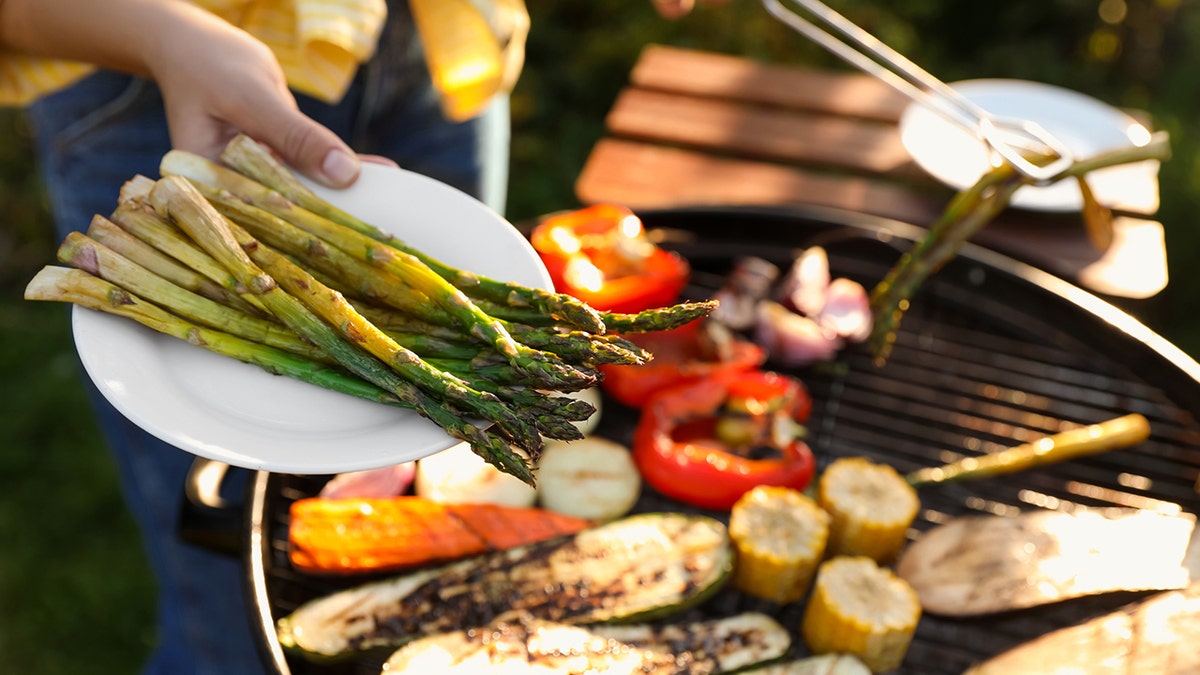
(75, 591)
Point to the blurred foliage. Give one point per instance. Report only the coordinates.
(77, 593)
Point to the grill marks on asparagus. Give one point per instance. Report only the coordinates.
(213, 233)
(330, 305)
(253, 160)
(422, 290)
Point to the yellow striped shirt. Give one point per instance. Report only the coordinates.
(319, 43)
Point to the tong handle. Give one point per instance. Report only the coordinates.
(1012, 140)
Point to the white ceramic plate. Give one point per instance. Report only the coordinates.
(1085, 125)
(222, 409)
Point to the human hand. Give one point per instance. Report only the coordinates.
(674, 9)
(239, 86)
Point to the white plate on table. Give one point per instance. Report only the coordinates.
(222, 409)
(1085, 125)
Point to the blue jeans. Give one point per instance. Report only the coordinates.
(109, 127)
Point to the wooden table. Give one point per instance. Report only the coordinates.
(697, 128)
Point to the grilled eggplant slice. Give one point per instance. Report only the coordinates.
(637, 568)
(524, 645)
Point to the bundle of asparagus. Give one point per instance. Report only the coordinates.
(239, 257)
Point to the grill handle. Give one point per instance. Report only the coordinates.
(208, 517)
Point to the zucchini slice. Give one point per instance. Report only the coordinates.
(526, 646)
(642, 567)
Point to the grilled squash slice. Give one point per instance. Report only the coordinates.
(525, 646)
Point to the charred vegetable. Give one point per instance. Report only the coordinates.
(982, 564)
(635, 568)
(709, 442)
(862, 609)
(1092, 439)
(523, 645)
(780, 536)
(602, 255)
(826, 664)
(345, 536)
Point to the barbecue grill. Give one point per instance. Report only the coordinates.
(992, 352)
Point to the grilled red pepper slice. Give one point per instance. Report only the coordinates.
(681, 356)
(601, 255)
(698, 443)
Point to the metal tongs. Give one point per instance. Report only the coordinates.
(1016, 141)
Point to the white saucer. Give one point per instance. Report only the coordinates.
(1085, 125)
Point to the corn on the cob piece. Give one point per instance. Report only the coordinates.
(780, 536)
(860, 608)
(871, 506)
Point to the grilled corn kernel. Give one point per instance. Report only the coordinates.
(780, 537)
(871, 506)
(860, 608)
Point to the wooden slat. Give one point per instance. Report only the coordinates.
(722, 76)
(642, 175)
(734, 128)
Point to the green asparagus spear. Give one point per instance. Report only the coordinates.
(140, 221)
(255, 161)
(964, 216)
(659, 318)
(546, 367)
(187, 208)
(91, 256)
(76, 286)
(1119, 432)
(111, 235)
(404, 265)
(338, 313)
(572, 345)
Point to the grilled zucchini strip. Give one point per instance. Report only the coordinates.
(526, 646)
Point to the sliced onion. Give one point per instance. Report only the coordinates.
(806, 284)
(592, 478)
(749, 282)
(792, 339)
(458, 476)
(847, 310)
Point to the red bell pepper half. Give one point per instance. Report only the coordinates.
(602, 255)
(681, 356)
(709, 442)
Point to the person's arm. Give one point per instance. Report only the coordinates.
(216, 79)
